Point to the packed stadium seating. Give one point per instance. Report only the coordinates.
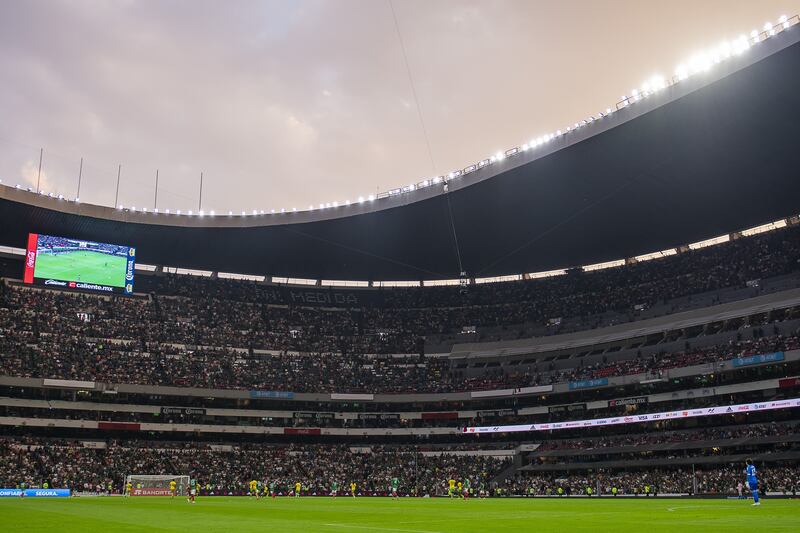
(188, 342)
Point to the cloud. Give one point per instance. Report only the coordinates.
(292, 103)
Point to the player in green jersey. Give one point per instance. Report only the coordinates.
(395, 486)
(192, 490)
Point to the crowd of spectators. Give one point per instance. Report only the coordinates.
(25, 353)
(229, 471)
(784, 478)
(694, 435)
(218, 312)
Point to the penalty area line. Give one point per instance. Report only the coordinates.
(374, 528)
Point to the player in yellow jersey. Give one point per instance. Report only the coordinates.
(173, 488)
(451, 487)
(297, 487)
(128, 488)
(353, 489)
(253, 486)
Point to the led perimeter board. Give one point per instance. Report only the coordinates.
(76, 264)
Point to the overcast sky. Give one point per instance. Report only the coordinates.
(290, 103)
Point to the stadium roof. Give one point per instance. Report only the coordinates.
(705, 156)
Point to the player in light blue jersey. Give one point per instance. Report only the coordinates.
(752, 480)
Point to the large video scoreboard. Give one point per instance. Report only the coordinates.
(77, 264)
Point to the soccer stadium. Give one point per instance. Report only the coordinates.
(595, 330)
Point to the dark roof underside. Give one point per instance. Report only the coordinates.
(719, 159)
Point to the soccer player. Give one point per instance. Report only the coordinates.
(353, 488)
(173, 488)
(395, 486)
(451, 487)
(465, 493)
(253, 487)
(192, 490)
(272, 491)
(259, 489)
(297, 487)
(128, 487)
(334, 489)
(752, 480)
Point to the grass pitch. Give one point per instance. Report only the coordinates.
(83, 265)
(381, 515)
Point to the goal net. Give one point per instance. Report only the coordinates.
(157, 485)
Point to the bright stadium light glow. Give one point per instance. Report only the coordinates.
(119, 206)
(76, 199)
(754, 36)
(255, 212)
(725, 49)
(361, 199)
(740, 45)
(769, 29)
(133, 208)
(230, 213)
(272, 211)
(784, 21)
(335, 204)
(371, 197)
(657, 82)
(322, 206)
(190, 212)
(179, 211)
(201, 213)
(144, 210)
(211, 213)
(155, 210)
(681, 72)
(168, 211)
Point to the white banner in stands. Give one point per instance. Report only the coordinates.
(638, 419)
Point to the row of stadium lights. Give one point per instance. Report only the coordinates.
(701, 62)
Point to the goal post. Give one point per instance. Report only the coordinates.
(150, 485)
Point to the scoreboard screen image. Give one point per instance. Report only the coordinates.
(77, 264)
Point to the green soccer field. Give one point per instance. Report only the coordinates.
(83, 265)
(239, 514)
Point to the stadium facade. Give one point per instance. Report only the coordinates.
(703, 157)
(648, 377)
